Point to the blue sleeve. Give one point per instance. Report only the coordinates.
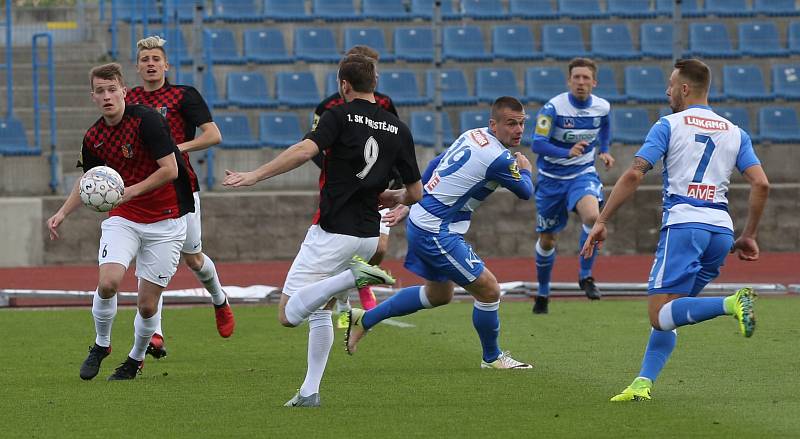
(504, 170)
(604, 136)
(541, 134)
(655, 145)
(431, 167)
(747, 155)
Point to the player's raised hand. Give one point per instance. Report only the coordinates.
(390, 198)
(577, 149)
(396, 215)
(595, 240)
(746, 249)
(52, 224)
(238, 179)
(522, 161)
(608, 159)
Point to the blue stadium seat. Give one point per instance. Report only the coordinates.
(630, 9)
(235, 130)
(181, 76)
(562, 41)
(331, 86)
(473, 119)
(281, 10)
(296, 89)
(737, 115)
(794, 37)
(423, 128)
(728, 8)
(760, 39)
(775, 7)
(210, 92)
(689, 8)
(484, 9)
(402, 86)
(710, 40)
(424, 9)
(184, 9)
(464, 43)
(532, 9)
(177, 50)
(778, 124)
(248, 90)
(542, 83)
(372, 37)
(413, 44)
(385, 10)
(315, 44)
(527, 132)
(220, 47)
(514, 42)
(786, 81)
(664, 111)
(612, 41)
(714, 92)
(581, 9)
(335, 10)
(607, 85)
(233, 11)
(630, 125)
(132, 11)
(13, 140)
(744, 82)
(645, 83)
(265, 46)
(656, 40)
(279, 129)
(491, 83)
(454, 87)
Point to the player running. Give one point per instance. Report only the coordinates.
(700, 150)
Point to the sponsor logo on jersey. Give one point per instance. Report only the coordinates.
(701, 191)
(570, 136)
(162, 111)
(596, 122)
(514, 170)
(127, 151)
(543, 124)
(479, 138)
(706, 124)
(435, 179)
(569, 122)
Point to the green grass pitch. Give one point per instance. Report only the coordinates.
(423, 381)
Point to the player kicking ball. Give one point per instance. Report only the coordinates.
(700, 149)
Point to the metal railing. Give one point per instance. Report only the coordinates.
(8, 64)
(51, 102)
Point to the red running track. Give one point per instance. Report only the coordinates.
(772, 268)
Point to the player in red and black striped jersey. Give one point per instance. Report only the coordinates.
(185, 111)
(148, 225)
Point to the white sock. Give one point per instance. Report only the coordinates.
(312, 297)
(158, 315)
(423, 298)
(320, 340)
(665, 318)
(103, 311)
(143, 330)
(209, 278)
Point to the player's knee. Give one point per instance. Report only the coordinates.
(380, 252)
(439, 299)
(654, 321)
(195, 262)
(147, 310)
(107, 288)
(284, 321)
(547, 242)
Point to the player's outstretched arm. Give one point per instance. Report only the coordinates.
(289, 159)
(746, 247)
(409, 195)
(72, 202)
(167, 171)
(209, 137)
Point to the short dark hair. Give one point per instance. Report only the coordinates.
(359, 71)
(695, 72)
(504, 102)
(363, 50)
(110, 72)
(582, 62)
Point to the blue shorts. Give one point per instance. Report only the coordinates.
(441, 257)
(555, 199)
(687, 259)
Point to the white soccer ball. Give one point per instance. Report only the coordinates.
(101, 188)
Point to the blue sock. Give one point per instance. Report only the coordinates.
(487, 324)
(586, 264)
(657, 353)
(689, 310)
(406, 301)
(544, 267)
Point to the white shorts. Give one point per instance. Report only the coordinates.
(323, 255)
(193, 244)
(156, 246)
(384, 228)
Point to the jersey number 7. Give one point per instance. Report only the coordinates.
(701, 167)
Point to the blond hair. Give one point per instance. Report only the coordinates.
(151, 42)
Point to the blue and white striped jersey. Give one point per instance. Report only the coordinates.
(561, 123)
(700, 149)
(459, 179)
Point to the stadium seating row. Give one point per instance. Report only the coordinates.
(394, 10)
(642, 84)
(509, 42)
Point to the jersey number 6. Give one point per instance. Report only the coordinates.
(370, 156)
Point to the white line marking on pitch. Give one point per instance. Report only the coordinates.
(398, 324)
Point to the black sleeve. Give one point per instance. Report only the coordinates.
(391, 108)
(406, 162)
(328, 128)
(155, 135)
(87, 160)
(194, 107)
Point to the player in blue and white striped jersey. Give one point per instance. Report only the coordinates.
(456, 182)
(700, 150)
(570, 130)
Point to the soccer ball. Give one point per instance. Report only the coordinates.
(101, 188)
